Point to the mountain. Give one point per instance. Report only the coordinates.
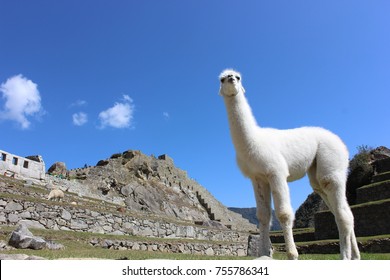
(250, 215)
(152, 186)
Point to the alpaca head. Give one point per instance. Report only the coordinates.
(230, 83)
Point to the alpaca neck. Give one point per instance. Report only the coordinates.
(242, 122)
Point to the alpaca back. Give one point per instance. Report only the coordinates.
(55, 194)
(292, 152)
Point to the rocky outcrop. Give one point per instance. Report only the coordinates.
(250, 215)
(59, 169)
(151, 185)
(379, 153)
(304, 216)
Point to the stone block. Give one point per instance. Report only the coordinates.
(13, 218)
(32, 224)
(66, 215)
(13, 206)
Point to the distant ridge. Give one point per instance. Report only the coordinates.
(250, 215)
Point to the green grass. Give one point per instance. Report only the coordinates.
(375, 184)
(364, 256)
(77, 247)
(77, 243)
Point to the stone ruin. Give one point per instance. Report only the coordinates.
(31, 167)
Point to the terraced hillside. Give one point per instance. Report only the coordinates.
(372, 211)
(110, 226)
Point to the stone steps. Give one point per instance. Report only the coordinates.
(373, 192)
(381, 177)
(372, 244)
(371, 218)
(300, 235)
(375, 244)
(372, 211)
(217, 212)
(382, 166)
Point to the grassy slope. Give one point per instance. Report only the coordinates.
(77, 246)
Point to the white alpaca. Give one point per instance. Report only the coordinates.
(56, 194)
(271, 158)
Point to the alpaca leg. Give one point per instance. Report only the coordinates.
(263, 203)
(334, 191)
(284, 212)
(315, 184)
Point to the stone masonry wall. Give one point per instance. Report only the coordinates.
(182, 247)
(72, 218)
(373, 192)
(370, 219)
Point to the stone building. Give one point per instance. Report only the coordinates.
(28, 167)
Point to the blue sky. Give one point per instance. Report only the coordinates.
(82, 80)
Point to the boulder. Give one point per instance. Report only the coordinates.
(22, 238)
(102, 162)
(380, 153)
(58, 168)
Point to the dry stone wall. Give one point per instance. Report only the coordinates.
(64, 217)
(41, 215)
(371, 215)
(182, 247)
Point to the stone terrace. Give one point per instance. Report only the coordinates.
(28, 204)
(372, 213)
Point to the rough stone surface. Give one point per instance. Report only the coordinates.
(380, 153)
(254, 245)
(370, 219)
(13, 206)
(304, 216)
(152, 185)
(22, 238)
(32, 224)
(359, 191)
(58, 168)
(183, 247)
(45, 215)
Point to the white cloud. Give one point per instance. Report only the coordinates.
(78, 103)
(22, 100)
(118, 116)
(127, 98)
(80, 118)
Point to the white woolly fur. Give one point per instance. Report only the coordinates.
(272, 157)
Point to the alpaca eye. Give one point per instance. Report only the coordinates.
(222, 80)
(238, 78)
